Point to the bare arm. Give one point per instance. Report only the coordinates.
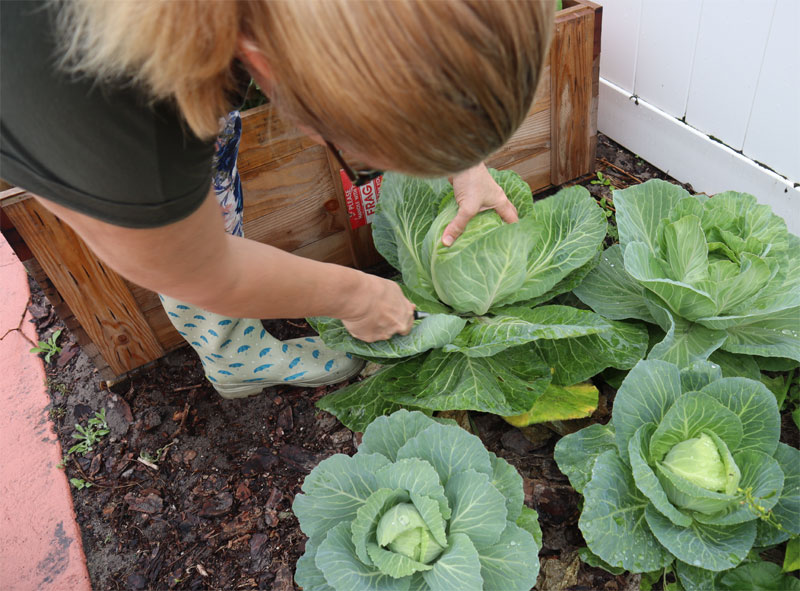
(195, 261)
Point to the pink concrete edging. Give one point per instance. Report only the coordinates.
(40, 542)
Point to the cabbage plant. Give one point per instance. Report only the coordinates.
(495, 339)
(689, 473)
(720, 276)
(422, 505)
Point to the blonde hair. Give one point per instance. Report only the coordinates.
(432, 87)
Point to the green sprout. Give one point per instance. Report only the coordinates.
(602, 180)
(80, 483)
(96, 429)
(49, 347)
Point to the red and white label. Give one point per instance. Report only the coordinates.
(361, 201)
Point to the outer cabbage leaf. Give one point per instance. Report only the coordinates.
(683, 299)
(685, 342)
(335, 492)
(700, 374)
(488, 335)
(613, 521)
(308, 576)
(756, 408)
(405, 212)
(776, 336)
(516, 189)
(787, 510)
(508, 383)
(567, 229)
(431, 332)
(458, 568)
(511, 562)
(714, 547)
(358, 404)
(387, 434)
(758, 576)
(567, 284)
(641, 208)
(578, 359)
(479, 509)
(610, 277)
(645, 396)
(449, 449)
(337, 560)
(576, 453)
(507, 480)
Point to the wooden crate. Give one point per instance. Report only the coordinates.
(294, 200)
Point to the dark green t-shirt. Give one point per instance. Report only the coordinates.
(101, 151)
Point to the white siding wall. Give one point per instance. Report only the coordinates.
(729, 69)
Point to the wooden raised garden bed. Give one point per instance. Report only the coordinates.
(294, 200)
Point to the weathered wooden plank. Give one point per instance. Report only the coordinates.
(96, 295)
(277, 185)
(332, 249)
(289, 229)
(266, 138)
(571, 68)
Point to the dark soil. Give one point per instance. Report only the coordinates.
(191, 491)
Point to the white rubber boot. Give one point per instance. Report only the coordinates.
(241, 359)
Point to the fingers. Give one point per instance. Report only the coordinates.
(507, 211)
(466, 211)
(387, 312)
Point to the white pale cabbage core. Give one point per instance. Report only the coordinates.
(698, 461)
(402, 530)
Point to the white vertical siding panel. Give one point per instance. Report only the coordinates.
(619, 40)
(773, 135)
(730, 50)
(667, 39)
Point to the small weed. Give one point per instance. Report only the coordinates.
(96, 429)
(152, 460)
(59, 387)
(602, 180)
(57, 413)
(49, 347)
(80, 483)
(609, 212)
(62, 465)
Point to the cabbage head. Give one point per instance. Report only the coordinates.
(496, 338)
(689, 473)
(422, 505)
(719, 276)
